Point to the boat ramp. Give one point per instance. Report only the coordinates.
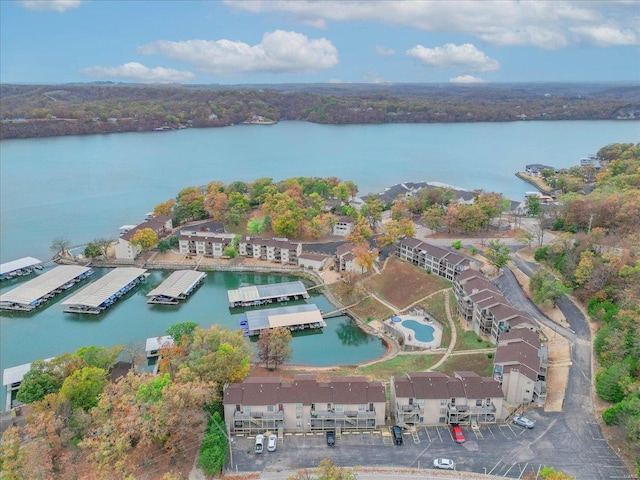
(41, 289)
(295, 318)
(104, 292)
(255, 295)
(20, 267)
(177, 287)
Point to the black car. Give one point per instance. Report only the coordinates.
(396, 431)
(331, 438)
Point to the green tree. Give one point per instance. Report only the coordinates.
(11, 455)
(534, 208)
(546, 287)
(182, 332)
(92, 356)
(146, 238)
(92, 250)
(83, 387)
(43, 378)
(498, 254)
(255, 226)
(611, 382)
(213, 450)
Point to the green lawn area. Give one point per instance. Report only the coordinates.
(469, 340)
(397, 366)
(479, 363)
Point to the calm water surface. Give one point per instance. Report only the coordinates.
(84, 188)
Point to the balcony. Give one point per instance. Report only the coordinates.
(473, 410)
(347, 414)
(409, 408)
(258, 415)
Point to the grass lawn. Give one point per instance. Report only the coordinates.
(367, 310)
(397, 366)
(402, 284)
(479, 363)
(469, 340)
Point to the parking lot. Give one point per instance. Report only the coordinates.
(504, 450)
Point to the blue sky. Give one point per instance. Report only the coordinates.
(375, 41)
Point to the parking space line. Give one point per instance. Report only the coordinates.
(505, 473)
(438, 430)
(494, 467)
(428, 436)
(502, 431)
(492, 434)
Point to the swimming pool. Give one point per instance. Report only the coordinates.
(423, 333)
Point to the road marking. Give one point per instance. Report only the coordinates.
(505, 473)
(438, 430)
(428, 436)
(494, 467)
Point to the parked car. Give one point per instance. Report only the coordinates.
(396, 432)
(272, 443)
(457, 434)
(523, 421)
(444, 463)
(331, 438)
(259, 443)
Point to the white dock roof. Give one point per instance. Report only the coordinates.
(284, 317)
(40, 286)
(156, 343)
(272, 290)
(177, 284)
(18, 264)
(96, 293)
(16, 374)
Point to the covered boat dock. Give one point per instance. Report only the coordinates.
(295, 318)
(12, 378)
(44, 287)
(105, 291)
(177, 287)
(255, 295)
(19, 267)
(154, 344)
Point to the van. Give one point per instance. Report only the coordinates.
(259, 443)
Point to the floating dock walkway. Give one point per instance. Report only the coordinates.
(295, 318)
(255, 295)
(43, 288)
(177, 287)
(20, 267)
(104, 292)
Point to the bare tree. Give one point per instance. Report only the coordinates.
(60, 245)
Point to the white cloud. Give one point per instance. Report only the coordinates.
(465, 57)
(384, 51)
(139, 73)
(542, 24)
(50, 5)
(604, 36)
(279, 52)
(466, 79)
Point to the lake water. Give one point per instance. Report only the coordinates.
(84, 188)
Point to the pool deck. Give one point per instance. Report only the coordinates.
(409, 334)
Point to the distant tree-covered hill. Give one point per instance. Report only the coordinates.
(74, 109)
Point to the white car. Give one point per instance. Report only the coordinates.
(259, 443)
(523, 421)
(271, 444)
(444, 463)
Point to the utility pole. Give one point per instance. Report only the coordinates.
(590, 220)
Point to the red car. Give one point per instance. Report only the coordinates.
(457, 434)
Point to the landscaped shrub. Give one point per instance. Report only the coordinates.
(541, 254)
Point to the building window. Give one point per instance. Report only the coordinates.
(362, 407)
(298, 406)
(478, 403)
(298, 414)
(443, 402)
(299, 423)
(442, 420)
(421, 403)
(247, 409)
(371, 407)
(269, 408)
(338, 407)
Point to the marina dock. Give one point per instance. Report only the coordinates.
(12, 378)
(295, 318)
(104, 292)
(255, 295)
(20, 267)
(177, 287)
(43, 288)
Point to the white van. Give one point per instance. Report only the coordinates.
(259, 443)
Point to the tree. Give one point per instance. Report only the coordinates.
(611, 382)
(255, 226)
(498, 254)
(213, 450)
(326, 471)
(164, 208)
(11, 456)
(182, 332)
(364, 256)
(42, 379)
(146, 238)
(92, 250)
(546, 287)
(274, 346)
(372, 211)
(525, 236)
(92, 356)
(534, 207)
(60, 245)
(83, 387)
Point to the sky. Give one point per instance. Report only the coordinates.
(319, 41)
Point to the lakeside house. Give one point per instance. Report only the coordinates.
(433, 259)
(344, 225)
(304, 404)
(274, 250)
(433, 398)
(126, 250)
